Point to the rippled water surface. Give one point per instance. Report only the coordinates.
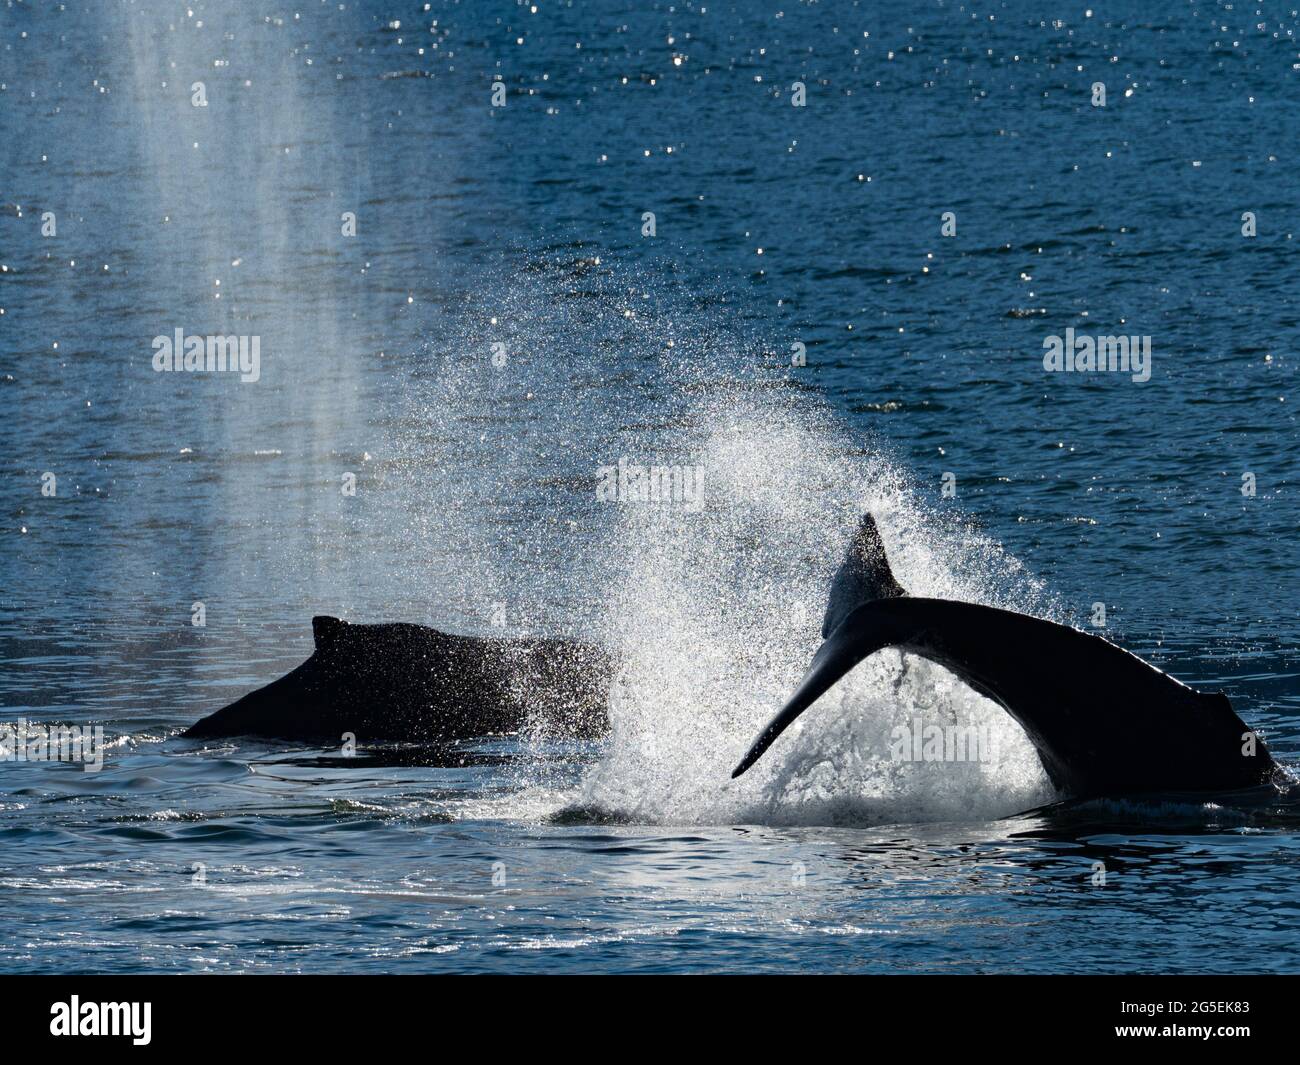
(498, 327)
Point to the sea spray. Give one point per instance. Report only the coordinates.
(717, 615)
(714, 608)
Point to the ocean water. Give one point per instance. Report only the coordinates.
(463, 313)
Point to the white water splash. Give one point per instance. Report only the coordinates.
(717, 615)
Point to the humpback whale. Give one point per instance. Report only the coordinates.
(404, 682)
(1103, 721)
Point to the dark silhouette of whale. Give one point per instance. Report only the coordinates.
(1104, 722)
(403, 682)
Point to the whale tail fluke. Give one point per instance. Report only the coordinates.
(1079, 698)
(863, 577)
(843, 650)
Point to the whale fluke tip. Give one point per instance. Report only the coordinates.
(744, 765)
(769, 734)
(863, 577)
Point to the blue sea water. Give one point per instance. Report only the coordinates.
(501, 324)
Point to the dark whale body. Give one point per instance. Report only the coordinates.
(411, 683)
(1104, 722)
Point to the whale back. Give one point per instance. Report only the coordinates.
(412, 683)
(324, 630)
(863, 577)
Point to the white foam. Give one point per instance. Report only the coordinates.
(718, 614)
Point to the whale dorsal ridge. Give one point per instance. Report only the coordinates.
(324, 628)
